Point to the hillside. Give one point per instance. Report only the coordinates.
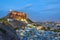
(8, 24)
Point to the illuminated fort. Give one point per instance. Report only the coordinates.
(18, 16)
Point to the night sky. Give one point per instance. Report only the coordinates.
(36, 10)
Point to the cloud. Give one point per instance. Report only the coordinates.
(26, 6)
(50, 7)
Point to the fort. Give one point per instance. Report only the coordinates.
(17, 15)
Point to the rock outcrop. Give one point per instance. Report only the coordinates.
(7, 32)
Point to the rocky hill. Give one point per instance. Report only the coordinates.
(7, 32)
(14, 20)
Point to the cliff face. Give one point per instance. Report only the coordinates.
(7, 32)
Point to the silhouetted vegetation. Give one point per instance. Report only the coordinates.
(2, 20)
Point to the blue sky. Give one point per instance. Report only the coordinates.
(36, 10)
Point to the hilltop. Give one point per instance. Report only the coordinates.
(16, 19)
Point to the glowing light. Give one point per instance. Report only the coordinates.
(24, 20)
(39, 27)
